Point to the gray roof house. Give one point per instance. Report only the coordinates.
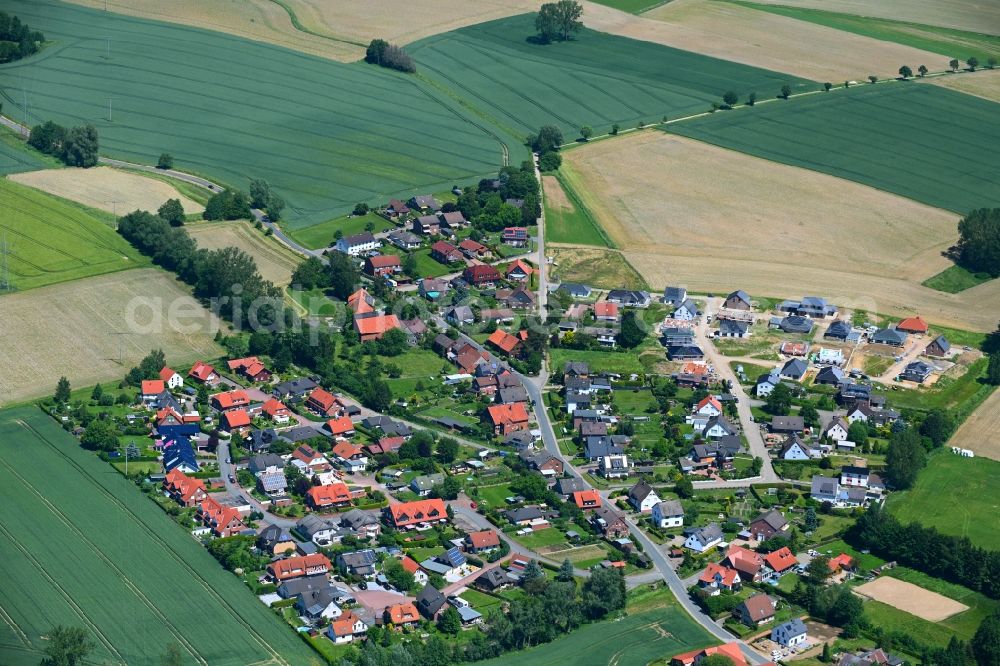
(938, 347)
(674, 295)
(889, 336)
(265, 461)
(794, 369)
(795, 324)
(423, 484)
(575, 290)
(570, 485)
(629, 297)
(918, 371)
(731, 328)
(787, 424)
(830, 375)
(430, 601)
(358, 563)
(838, 330)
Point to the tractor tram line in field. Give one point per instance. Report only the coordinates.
(276, 657)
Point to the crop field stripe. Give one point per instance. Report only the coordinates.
(156, 537)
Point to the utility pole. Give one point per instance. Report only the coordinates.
(114, 209)
(5, 268)
(109, 108)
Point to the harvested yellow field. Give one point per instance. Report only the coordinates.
(107, 189)
(79, 329)
(274, 261)
(984, 83)
(689, 213)
(911, 598)
(973, 15)
(758, 38)
(335, 30)
(979, 432)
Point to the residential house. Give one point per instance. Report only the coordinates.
(630, 298)
(766, 383)
(748, 562)
(587, 499)
(702, 539)
(453, 221)
(273, 482)
(728, 650)
(250, 367)
(427, 225)
(235, 421)
(324, 497)
(416, 514)
(732, 328)
(768, 525)
(606, 311)
(543, 462)
(515, 236)
(396, 209)
(172, 380)
(756, 610)
(203, 373)
(939, 347)
(224, 521)
(889, 336)
(519, 299)
(324, 403)
(830, 375)
(497, 315)
(276, 411)
(183, 489)
(460, 315)
(917, 371)
(793, 324)
(717, 578)
(837, 429)
(686, 311)
(229, 400)
(506, 419)
(424, 202)
(790, 348)
(794, 369)
(781, 561)
(674, 296)
(787, 425)
(719, 426)
(430, 602)
(346, 628)
(518, 270)
(445, 252)
(598, 447)
(567, 486)
(481, 275)
(609, 523)
(738, 300)
(809, 306)
(912, 325)
(492, 580)
(357, 244)
(350, 457)
(824, 489)
(575, 290)
(789, 634)
(614, 467)
(404, 240)
(150, 389)
(383, 265)
(838, 330)
(482, 541)
(275, 540)
(504, 341)
(374, 326)
(402, 615)
(851, 475)
(668, 514)
(642, 497)
(423, 485)
(793, 449)
(357, 563)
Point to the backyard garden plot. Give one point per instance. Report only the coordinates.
(888, 136)
(911, 598)
(274, 261)
(50, 240)
(82, 330)
(324, 134)
(97, 554)
(597, 79)
(759, 38)
(106, 189)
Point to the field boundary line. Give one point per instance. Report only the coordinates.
(276, 656)
(9, 621)
(69, 599)
(103, 557)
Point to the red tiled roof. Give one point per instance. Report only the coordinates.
(346, 450)
(728, 575)
(842, 561)
(503, 341)
(443, 248)
(238, 363)
(376, 325)
(481, 273)
(912, 325)
(403, 613)
(744, 559)
(781, 559)
(293, 567)
(731, 650)
(409, 564)
(521, 264)
(236, 419)
(344, 625)
(484, 539)
(152, 386)
(321, 400)
(274, 407)
(386, 445)
(709, 400)
(335, 493)
(340, 426)
(512, 413)
(166, 373)
(231, 399)
(411, 513)
(201, 371)
(471, 245)
(605, 309)
(183, 485)
(383, 261)
(587, 499)
(306, 454)
(361, 302)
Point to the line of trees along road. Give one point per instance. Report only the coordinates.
(76, 146)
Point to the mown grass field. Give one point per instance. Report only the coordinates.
(596, 79)
(846, 133)
(954, 494)
(964, 624)
(655, 628)
(87, 549)
(320, 235)
(567, 218)
(948, 42)
(52, 240)
(325, 134)
(954, 279)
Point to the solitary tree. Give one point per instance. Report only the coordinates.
(827, 86)
(548, 138)
(972, 62)
(586, 132)
(558, 20)
(166, 161)
(67, 646)
(827, 657)
(450, 621)
(751, 99)
(730, 98)
(565, 574)
(922, 70)
(786, 90)
(873, 78)
(993, 371)
(614, 129)
(62, 391)
(905, 72)
(953, 63)
(81, 146)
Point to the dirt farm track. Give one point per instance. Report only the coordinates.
(911, 598)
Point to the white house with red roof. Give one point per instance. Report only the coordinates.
(276, 410)
(151, 389)
(204, 373)
(171, 378)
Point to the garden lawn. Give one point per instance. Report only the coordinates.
(96, 553)
(596, 79)
(548, 536)
(844, 133)
(865, 561)
(53, 240)
(428, 267)
(493, 496)
(320, 235)
(654, 628)
(600, 361)
(326, 135)
(954, 495)
(955, 279)
(949, 42)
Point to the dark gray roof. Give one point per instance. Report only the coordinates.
(889, 336)
(600, 447)
(674, 294)
(524, 513)
(741, 295)
(671, 508)
(261, 462)
(796, 324)
(942, 342)
(787, 423)
(570, 485)
(794, 368)
(574, 289)
(640, 491)
(295, 387)
(839, 329)
(774, 520)
(733, 327)
(830, 375)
